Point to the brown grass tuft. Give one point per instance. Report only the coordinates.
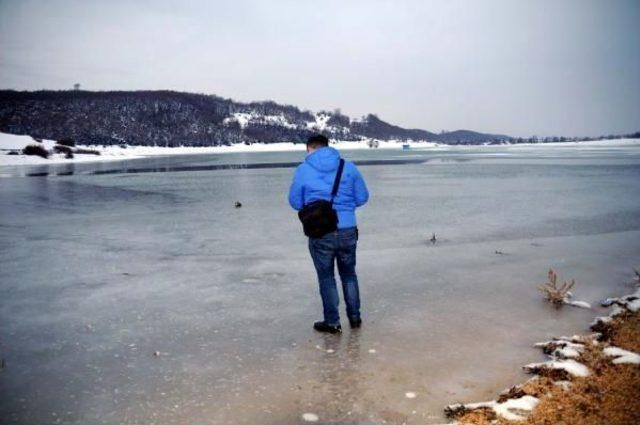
(553, 293)
(626, 332)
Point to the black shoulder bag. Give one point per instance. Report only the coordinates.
(318, 217)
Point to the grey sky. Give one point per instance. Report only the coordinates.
(515, 67)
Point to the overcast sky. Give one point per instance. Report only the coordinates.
(514, 67)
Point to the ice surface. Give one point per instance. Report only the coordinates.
(99, 272)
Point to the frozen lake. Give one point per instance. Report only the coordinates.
(103, 265)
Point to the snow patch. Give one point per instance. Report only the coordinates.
(242, 118)
(567, 353)
(562, 348)
(565, 347)
(506, 409)
(278, 120)
(570, 366)
(9, 142)
(630, 302)
(310, 417)
(581, 304)
(634, 306)
(513, 409)
(622, 356)
(245, 118)
(320, 123)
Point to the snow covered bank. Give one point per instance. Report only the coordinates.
(10, 143)
(11, 147)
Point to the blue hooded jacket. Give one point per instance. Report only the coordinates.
(313, 181)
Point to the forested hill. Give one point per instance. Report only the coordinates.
(170, 118)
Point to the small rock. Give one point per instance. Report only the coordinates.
(410, 394)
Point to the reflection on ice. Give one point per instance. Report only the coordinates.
(150, 298)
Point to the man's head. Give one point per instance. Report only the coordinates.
(316, 141)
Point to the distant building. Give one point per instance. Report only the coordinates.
(76, 86)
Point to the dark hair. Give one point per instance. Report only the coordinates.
(317, 140)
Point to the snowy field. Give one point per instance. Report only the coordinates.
(146, 297)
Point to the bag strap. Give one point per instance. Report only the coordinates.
(336, 182)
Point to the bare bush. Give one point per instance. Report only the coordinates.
(556, 295)
(35, 150)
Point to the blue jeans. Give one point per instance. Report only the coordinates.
(340, 247)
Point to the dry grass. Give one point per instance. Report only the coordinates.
(480, 417)
(610, 396)
(553, 293)
(625, 332)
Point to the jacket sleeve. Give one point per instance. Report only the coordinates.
(296, 191)
(361, 194)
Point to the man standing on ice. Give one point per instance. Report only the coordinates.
(313, 180)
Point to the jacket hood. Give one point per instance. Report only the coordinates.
(324, 159)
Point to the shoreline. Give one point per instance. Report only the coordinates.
(587, 378)
(15, 143)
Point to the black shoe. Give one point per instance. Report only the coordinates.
(355, 323)
(323, 327)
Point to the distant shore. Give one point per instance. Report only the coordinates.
(11, 149)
